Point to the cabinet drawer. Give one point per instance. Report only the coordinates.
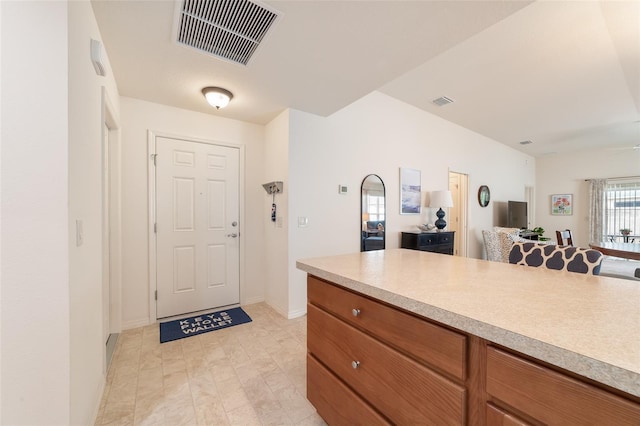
(445, 238)
(552, 397)
(438, 248)
(433, 344)
(405, 391)
(428, 239)
(497, 417)
(334, 401)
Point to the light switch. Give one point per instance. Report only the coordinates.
(303, 221)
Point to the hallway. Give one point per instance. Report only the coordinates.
(250, 374)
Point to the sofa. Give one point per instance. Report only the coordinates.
(372, 236)
(498, 242)
(562, 258)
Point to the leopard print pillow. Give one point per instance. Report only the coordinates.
(567, 258)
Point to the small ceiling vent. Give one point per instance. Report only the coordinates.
(442, 101)
(231, 30)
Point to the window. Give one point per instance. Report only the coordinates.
(375, 207)
(622, 210)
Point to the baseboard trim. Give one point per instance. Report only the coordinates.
(297, 314)
(128, 325)
(96, 405)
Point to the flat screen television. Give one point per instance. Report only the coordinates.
(517, 214)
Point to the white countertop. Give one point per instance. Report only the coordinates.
(586, 324)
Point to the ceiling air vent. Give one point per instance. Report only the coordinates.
(442, 101)
(231, 30)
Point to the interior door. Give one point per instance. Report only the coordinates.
(197, 206)
(458, 185)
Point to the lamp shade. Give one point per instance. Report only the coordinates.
(217, 96)
(439, 199)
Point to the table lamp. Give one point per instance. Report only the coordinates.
(365, 219)
(440, 199)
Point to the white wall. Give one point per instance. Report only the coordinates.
(87, 340)
(566, 174)
(276, 159)
(35, 319)
(378, 134)
(53, 359)
(137, 118)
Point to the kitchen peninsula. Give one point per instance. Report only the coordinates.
(404, 336)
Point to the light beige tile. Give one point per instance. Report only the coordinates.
(251, 374)
(118, 413)
(247, 372)
(295, 404)
(312, 420)
(233, 398)
(170, 366)
(211, 414)
(197, 366)
(150, 381)
(179, 412)
(150, 359)
(214, 354)
(277, 381)
(149, 409)
(270, 412)
(243, 415)
(223, 371)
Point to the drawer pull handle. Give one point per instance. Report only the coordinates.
(355, 364)
(355, 313)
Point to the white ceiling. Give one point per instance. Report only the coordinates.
(563, 74)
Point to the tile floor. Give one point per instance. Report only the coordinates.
(249, 374)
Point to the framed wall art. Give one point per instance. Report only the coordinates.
(562, 204)
(410, 191)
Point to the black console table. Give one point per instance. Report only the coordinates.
(437, 242)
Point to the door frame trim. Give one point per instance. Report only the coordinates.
(152, 136)
(109, 117)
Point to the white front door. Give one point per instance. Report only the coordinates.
(198, 250)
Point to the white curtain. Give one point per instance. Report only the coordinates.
(596, 210)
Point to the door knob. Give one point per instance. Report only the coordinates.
(234, 235)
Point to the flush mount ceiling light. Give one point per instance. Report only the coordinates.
(217, 96)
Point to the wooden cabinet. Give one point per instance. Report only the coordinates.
(436, 242)
(552, 397)
(499, 417)
(369, 362)
(335, 400)
(404, 332)
(377, 351)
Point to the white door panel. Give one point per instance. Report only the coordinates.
(197, 204)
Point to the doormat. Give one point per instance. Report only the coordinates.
(179, 329)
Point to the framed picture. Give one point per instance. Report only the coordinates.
(562, 204)
(410, 191)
